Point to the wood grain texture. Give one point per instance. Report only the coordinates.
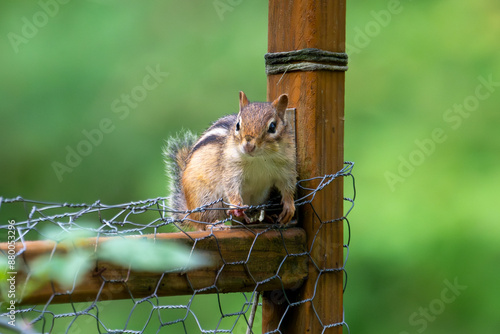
(238, 260)
(319, 99)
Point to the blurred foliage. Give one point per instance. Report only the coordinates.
(147, 255)
(69, 267)
(424, 58)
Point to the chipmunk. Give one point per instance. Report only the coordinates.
(242, 158)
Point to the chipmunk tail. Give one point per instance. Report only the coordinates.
(175, 154)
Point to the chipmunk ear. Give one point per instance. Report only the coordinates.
(280, 104)
(243, 100)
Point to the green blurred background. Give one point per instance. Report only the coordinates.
(422, 103)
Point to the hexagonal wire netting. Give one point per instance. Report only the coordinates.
(196, 308)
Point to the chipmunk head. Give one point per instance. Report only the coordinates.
(260, 125)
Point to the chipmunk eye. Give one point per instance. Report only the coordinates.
(238, 126)
(272, 128)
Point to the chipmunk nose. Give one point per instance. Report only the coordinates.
(248, 145)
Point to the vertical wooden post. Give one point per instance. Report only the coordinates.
(318, 96)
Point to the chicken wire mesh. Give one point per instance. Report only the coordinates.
(194, 308)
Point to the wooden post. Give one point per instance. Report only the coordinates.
(318, 96)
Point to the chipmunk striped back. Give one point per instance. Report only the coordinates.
(177, 153)
(217, 133)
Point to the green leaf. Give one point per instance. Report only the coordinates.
(64, 269)
(56, 233)
(4, 284)
(149, 255)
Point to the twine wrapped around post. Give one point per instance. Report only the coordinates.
(309, 59)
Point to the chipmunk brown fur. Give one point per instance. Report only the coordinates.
(240, 159)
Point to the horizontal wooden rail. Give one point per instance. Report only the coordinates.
(241, 260)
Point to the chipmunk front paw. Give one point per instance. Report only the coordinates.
(288, 211)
